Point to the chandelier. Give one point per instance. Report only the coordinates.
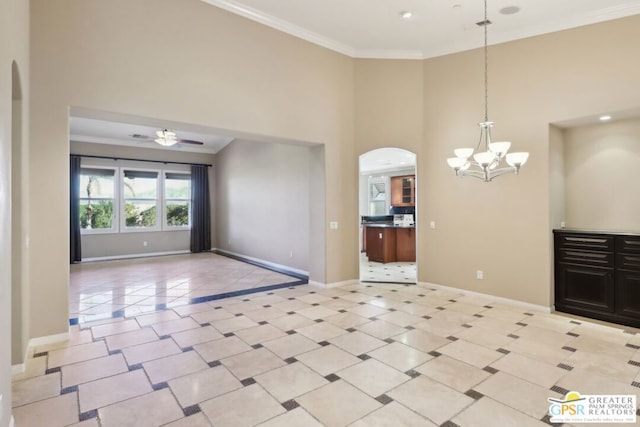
(488, 163)
(166, 138)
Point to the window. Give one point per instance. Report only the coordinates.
(140, 200)
(177, 200)
(97, 199)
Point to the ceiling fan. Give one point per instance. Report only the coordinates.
(166, 138)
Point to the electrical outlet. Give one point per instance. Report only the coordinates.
(144, 243)
(432, 225)
(562, 224)
(479, 274)
(333, 225)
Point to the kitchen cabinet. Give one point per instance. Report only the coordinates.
(406, 244)
(403, 190)
(597, 275)
(381, 244)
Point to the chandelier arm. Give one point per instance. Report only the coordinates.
(486, 66)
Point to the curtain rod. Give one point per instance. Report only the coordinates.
(141, 160)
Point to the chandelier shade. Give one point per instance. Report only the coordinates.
(487, 160)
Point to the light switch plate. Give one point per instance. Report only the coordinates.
(333, 225)
(432, 225)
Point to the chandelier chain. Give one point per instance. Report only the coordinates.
(486, 66)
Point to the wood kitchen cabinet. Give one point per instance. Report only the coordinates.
(381, 244)
(405, 244)
(403, 190)
(597, 275)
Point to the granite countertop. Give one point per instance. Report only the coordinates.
(579, 231)
(386, 225)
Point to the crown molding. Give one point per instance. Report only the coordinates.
(282, 25)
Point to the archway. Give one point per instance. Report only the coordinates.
(387, 210)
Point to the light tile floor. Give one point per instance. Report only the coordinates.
(142, 285)
(390, 272)
(359, 355)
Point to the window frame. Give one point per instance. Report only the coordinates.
(165, 199)
(115, 228)
(123, 201)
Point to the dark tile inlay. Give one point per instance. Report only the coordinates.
(475, 395)
(559, 389)
(291, 312)
(290, 360)
(635, 384)
(214, 363)
(452, 338)
(364, 356)
(291, 298)
(503, 351)
(421, 295)
(351, 329)
(315, 304)
(487, 306)
(324, 343)
(160, 386)
(238, 314)
(633, 362)
(68, 390)
(135, 366)
(263, 322)
(165, 337)
(633, 346)
(291, 332)
(205, 324)
(319, 320)
(392, 309)
(449, 424)
(441, 308)
(568, 348)
(528, 314)
(435, 353)
(373, 318)
(41, 354)
(409, 328)
(573, 334)
(521, 324)
(290, 405)
(384, 399)
(426, 317)
(565, 366)
(332, 378)
(466, 325)
(335, 297)
(246, 300)
(478, 315)
(84, 416)
(407, 302)
(52, 370)
(575, 322)
(389, 340)
(452, 300)
(191, 410)
(490, 369)
(513, 336)
(256, 346)
(412, 373)
(342, 311)
(248, 381)
(229, 334)
(185, 349)
(266, 306)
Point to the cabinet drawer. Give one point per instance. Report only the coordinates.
(628, 244)
(589, 258)
(587, 242)
(628, 262)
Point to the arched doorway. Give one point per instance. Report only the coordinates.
(387, 212)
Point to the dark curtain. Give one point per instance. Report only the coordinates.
(74, 209)
(201, 211)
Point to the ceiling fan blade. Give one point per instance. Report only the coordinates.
(189, 141)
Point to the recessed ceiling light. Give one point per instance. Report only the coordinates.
(510, 10)
(405, 14)
(605, 118)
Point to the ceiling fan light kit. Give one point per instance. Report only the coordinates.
(166, 138)
(486, 164)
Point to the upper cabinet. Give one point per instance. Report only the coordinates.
(403, 190)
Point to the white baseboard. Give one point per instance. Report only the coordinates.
(17, 369)
(525, 305)
(333, 284)
(11, 421)
(48, 339)
(263, 262)
(143, 255)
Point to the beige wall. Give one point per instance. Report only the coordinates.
(117, 244)
(14, 101)
(235, 75)
(242, 77)
(262, 202)
(602, 176)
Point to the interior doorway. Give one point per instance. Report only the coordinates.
(387, 213)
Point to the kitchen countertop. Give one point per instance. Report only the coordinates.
(385, 225)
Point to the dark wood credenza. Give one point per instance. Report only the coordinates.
(597, 275)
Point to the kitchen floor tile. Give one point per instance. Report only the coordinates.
(328, 360)
(203, 385)
(295, 418)
(153, 409)
(529, 369)
(167, 368)
(178, 325)
(357, 342)
(114, 328)
(400, 356)
(94, 369)
(290, 381)
(219, 349)
(252, 363)
(321, 331)
(393, 414)
(290, 345)
(35, 389)
(200, 335)
(150, 351)
(488, 412)
(470, 353)
(421, 340)
(55, 412)
(77, 353)
(231, 409)
(103, 392)
(259, 334)
(128, 339)
(373, 377)
(381, 329)
(453, 373)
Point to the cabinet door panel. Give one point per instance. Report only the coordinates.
(628, 293)
(585, 287)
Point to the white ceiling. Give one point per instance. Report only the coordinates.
(374, 28)
(386, 160)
